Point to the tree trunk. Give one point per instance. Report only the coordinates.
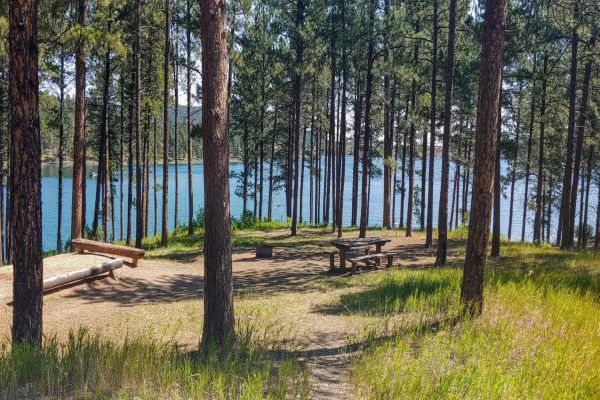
(25, 174)
(106, 134)
(271, 163)
(432, 119)
(4, 130)
(497, 186)
(61, 144)
(403, 183)
(537, 225)
(513, 175)
(412, 143)
(297, 99)
(528, 162)
(395, 117)
(121, 154)
(188, 48)
(77, 200)
(154, 152)
(387, 139)
(139, 196)
(246, 168)
(218, 284)
(302, 163)
(130, 165)
(454, 197)
(332, 148)
(367, 139)
(442, 245)
(342, 137)
(467, 182)
(176, 126)
(311, 158)
(565, 204)
(485, 154)
(579, 145)
(356, 148)
(165, 189)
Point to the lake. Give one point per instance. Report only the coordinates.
(50, 193)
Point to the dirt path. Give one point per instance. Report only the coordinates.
(163, 298)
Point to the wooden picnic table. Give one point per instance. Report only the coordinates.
(346, 245)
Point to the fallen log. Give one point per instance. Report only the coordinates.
(82, 245)
(74, 276)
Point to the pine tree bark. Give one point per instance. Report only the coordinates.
(387, 139)
(121, 152)
(176, 125)
(528, 160)
(130, 163)
(485, 154)
(537, 224)
(513, 175)
(3, 130)
(218, 283)
(497, 186)
(271, 166)
(188, 52)
(364, 207)
(154, 153)
(302, 164)
(246, 168)
(411, 159)
(581, 120)
(432, 125)
(412, 142)
(566, 241)
(331, 147)
(342, 137)
(165, 189)
(106, 138)
(297, 100)
(61, 145)
(139, 196)
(356, 148)
(25, 173)
(77, 200)
(442, 245)
(403, 171)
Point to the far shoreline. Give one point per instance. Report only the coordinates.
(69, 163)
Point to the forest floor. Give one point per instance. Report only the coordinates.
(162, 297)
(342, 329)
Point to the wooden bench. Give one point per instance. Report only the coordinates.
(82, 245)
(371, 257)
(334, 253)
(81, 274)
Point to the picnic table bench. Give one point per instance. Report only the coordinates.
(367, 258)
(345, 246)
(82, 245)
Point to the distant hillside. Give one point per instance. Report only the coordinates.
(182, 114)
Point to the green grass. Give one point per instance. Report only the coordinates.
(89, 367)
(538, 337)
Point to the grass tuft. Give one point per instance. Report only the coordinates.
(87, 366)
(538, 336)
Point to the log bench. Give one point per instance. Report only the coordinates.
(82, 245)
(81, 274)
(371, 257)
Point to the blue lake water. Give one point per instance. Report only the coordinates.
(50, 193)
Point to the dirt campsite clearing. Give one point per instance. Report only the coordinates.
(290, 295)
